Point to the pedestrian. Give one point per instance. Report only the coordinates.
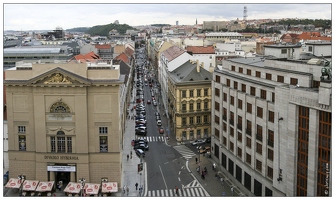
(127, 157)
(196, 160)
(232, 191)
(136, 185)
(131, 154)
(205, 170)
(176, 190)
(124, 189)
(127, 190)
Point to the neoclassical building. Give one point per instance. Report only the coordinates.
(65, 121)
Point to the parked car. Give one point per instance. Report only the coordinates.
(208, 140)
(144, 147)
(140, 132)
(140, 152)
(155, 103)
(204, 149)
(158, 117)
(141, 140)
(198, 142)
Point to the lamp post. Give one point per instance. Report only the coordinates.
(21, 178)
(103, 180)
(82, 181)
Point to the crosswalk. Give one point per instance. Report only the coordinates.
(184, 151)
(153, 138)
(191, 190)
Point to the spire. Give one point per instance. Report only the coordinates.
(196, 21)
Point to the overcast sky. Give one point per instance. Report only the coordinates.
(36, 16)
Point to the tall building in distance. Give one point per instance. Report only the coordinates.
(271, 121)
(245, 13)
(177, 23)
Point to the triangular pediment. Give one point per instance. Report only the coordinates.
(59, 76)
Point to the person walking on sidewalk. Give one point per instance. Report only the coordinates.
(127, 157)
(136, 185)
(177, 190)
(196, 160)
(127, 190)
(131, 154)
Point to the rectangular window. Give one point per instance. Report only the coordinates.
(248, 158)
(293, 81)
(232, 68)
(271, 116)
(252, 91)
(224, 127)
(239, 103)
(235, 85)
(270, 154)
(310, 48)
(239, 152)
(239, 136)
(183, 94)
(224, 114)
(240, 70)
(217, 78)
(259, 134)
(217, 106)
(61, 146)
(205, 105)
(259, 112)
(268, 76)
(183, 107)
(258, 74)
(198, 106)
(224, 97)
(53, 144)
(183, 121)
(224, 140)
(103, 144)
(280, 79)
(239, 122)
(270, 172)
(263, 94)
(243, 88)
(273, 97)
(228, 82)
(191, 107)
(22, 143)
(259, 148)
(21, 129)
(249, 108)
(103, 130)
(232, 99)
(232, 117)
(284, 51)
(191, 120)
(217, 92)
(259, 165)
(205, 118)
(232, 131)
(69, 144)
(198, 119)
(248, 142)
(191, 93)
(198, 92)
(205, 92)
(249, 72)
(231, 146)
(270, 138)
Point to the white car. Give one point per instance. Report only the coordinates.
(159, 122)
(154, 102)
(198, 142)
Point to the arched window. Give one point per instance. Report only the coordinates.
(59, 107)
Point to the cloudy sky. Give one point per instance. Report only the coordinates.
(37, 16)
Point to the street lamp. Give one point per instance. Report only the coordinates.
(82, 181)
(21, 178)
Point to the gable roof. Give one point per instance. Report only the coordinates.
(122, 57)
(103, 46)
(85, 58)
(188, 72)
(200, 49)
(172, 52)
(129, 51)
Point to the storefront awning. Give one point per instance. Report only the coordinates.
(92, 188)
(45, 186)
(29, 185)
(73, 188)
(13, 183)
(109, 187)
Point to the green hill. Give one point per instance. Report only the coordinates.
(103, 30)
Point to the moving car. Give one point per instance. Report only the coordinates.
(142, 146)
(148, 102)
(159, 122)
(155, 103)
(161, 130)
(198, 142)
(140, 152)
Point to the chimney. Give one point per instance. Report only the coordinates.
(202, 65)
(198, 67)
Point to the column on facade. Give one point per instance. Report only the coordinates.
(52, 176)
(72, 176)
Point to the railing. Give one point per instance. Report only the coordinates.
(248, 131)
(259, 137)
(239, 126)
(231, 122)
(224, 117)
(270, 143)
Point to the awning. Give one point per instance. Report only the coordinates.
(73, 188)
(13, 183)
(29, 185)
(45, 186)
(109, 187)
(92, 188)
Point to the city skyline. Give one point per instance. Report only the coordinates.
(38, 16)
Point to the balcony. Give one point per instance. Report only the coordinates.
(270, 143)
(239, 126)
(259, 137)
(224, 117)
(231, 122)
(248, 131)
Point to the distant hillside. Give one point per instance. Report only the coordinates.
(103, 30)
(80, 29)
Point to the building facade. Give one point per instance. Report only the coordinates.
(189, 101)
(272, 126)
(65, 121)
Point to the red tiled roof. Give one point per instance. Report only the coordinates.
(200, 49)
(102, 46)
(87, 57)
(313, 36)
(122, 57)
(129, 51)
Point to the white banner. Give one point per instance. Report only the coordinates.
(62, 168)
